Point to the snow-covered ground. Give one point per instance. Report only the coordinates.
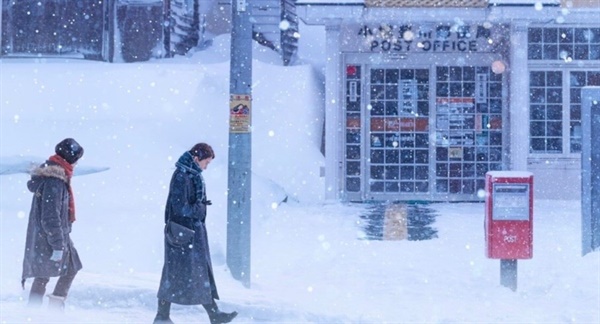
(311, 259)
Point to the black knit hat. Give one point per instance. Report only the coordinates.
(69, 150)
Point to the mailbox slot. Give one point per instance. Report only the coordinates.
(510, 202)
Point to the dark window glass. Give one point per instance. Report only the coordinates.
(407, 187)
(594, 52)
(377, 186)
(535, 35)
(537, 112)
(469, 89)
(565, 35)
(407, 74)
(442, 90)
(441, 170)
(353, 152)
(353, 137)
(537, 79)
(581, 52)
(391, 76)
(377, 108)
(496, 138)
(469, 154)
(422, 172)
(353, 184)
(441, 186)
(422, 186)
(537, 95)
(469, 170)
(455, 73)
(554, 112)
(538, 145)
(377, 76)
(421, 156)
(377, 156)
(554, 95)
(422, 76)
(392, 156)
(582, 35)
(377, 172)
(353, 168)
(377, 92)
(550, 35)
(554, 79)
(554, 128)
(392, 186)
(407, 156)
(534, 52)
(422, 140)
(555, 145)
(455, 89)
(392, 172)
(441, 154)
(481, 169)
(407, 172)
(575, 112)
(495, 106)
(593, 79)
(565, 51)
(537, 128)
(550, 52)
(442, 73)
(423, 108)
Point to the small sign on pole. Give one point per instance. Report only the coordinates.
(239, 113)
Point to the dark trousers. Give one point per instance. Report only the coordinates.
(38, 288)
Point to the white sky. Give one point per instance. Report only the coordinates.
(311, 261)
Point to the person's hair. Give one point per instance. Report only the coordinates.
(202, 151)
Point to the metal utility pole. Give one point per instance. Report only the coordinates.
(240, 152)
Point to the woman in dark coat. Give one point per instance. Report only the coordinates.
(187, 276)
(49, 251)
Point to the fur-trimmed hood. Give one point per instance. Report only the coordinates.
(46, 170)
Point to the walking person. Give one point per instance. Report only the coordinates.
(49, 251)
(187, 275)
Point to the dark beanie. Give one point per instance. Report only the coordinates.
(69, 150)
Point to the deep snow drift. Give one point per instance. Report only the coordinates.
(311, 259)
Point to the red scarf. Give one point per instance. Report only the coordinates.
(68, 167)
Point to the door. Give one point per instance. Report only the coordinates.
(423, 132)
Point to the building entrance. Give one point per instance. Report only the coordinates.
(426, 132)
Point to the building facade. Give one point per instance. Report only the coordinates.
(424, 97)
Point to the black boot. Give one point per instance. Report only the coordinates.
(163, 313)
(216, 316)
(36, 295)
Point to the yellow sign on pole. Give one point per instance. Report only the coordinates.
(240, 119)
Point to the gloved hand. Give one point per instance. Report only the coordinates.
(57, 255)
(207, 202)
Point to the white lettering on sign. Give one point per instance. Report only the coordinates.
(510, 238)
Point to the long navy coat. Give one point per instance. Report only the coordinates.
(49, 227)
(187, 276)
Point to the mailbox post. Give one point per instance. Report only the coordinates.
(509, 221)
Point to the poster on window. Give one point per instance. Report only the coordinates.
(455, 121)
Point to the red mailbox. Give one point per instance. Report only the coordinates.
(509, 215)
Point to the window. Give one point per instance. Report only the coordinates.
(555, 87)
(565, 44)
(545, 111)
